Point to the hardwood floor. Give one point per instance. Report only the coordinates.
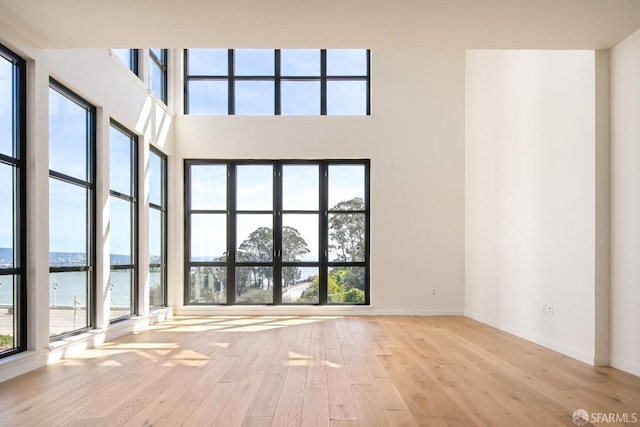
(316, 371)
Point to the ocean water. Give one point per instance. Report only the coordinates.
(65, 288)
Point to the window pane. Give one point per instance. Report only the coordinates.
(208, 62)
(7, 302)
(6, 108)
(347, 285)
(155, 236)
(156, 286)
(208, 237)
(254, 285)
(208, 285)
(346, 62)
(300, 98)
(120, 162)
(347, 98)
(208, 97)
(300, 237)
(254, 62)
(300, 285)
(254, 187)
(156, 80)
(300, 62)
(346, 237)
(67, 224)
(68, 310)
(68, 130)
(121, 283)
(208, 187)
(7, 213)
(255, 238)
(120, 231)
(346, 187)
(157, 53)
(156, 179)
(125, 56)
(300, 187)
(255, 98)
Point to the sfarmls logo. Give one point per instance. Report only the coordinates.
(581, 417)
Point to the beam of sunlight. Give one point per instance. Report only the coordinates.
(252, 328)
(141, 346)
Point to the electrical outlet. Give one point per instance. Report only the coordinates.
(433, 291)
(550, 310)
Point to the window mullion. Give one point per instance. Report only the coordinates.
(323, 82)
(277, 233)
(231, 233)
(324, 234)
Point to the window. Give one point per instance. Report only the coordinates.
(129, 57)
(158, 73)
(71, 211)
(277, 232)
(12, 204)
(277, 82)
(157, 229)
(123, 282)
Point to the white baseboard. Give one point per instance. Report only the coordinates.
(311, 310)
(625, 365)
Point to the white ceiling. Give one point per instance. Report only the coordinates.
(532, 24)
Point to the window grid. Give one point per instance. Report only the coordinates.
(88, 185)
(12, 273)
(277, 78)
(161, 63)
(161, 301)
(132, 200)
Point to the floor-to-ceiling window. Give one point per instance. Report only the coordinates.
(123, 282)
(12, 203)
(277, 232)
(71, 211)
(157, 228)
(158, 73)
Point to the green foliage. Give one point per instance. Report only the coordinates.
(346, 231)
(6, 341)
(354, 295)
(254, 295)
(339, 291)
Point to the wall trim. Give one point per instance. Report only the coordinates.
(625, 365)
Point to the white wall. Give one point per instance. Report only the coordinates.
(415, 140)
(530, 195)
(625, 205)
(105, 82)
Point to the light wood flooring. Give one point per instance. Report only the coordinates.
(316, 371)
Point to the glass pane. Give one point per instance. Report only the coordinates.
(346, 237)
(300, 62)
(255, 98)
(68, 305)
(121, 283)
(156, 287)
(300, 285)
(67, 136)
(208, 97)
(254, 285)
(208, 187)
(121, 162)
(347, 285)
(346, 62)
(254, 187)
(346, 187)
(300, 187)
(7, 312)
(156, 179)
(155, 236)
(7, 220)
(208, 285)
(67, 224)
(208, 237)
(255, 238)
(125, 56)
(347, 98)
(300, 98)
(300, 237)
(156, 80)
(208, 62)
(254, 62)
(157, 53)
(120, 231)
(6, 107)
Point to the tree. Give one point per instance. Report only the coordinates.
(293, 246)
(258, 247)
(346, 231)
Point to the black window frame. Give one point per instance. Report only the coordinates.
(277, 78)
(90, 186)
(134, 55)
(133, 201)
(230, 262)
(18, 161)
(162, 64)
(163, 209)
